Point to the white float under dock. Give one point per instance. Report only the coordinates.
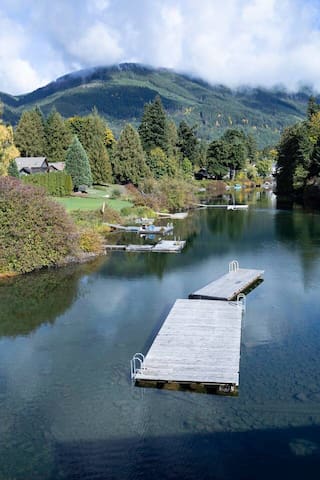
(197, 348)
(230, 285)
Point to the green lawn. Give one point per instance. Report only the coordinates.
(80, 203)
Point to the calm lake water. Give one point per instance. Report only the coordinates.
(68, 409)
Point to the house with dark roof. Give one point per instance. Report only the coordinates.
(56, 166)
(30, 165)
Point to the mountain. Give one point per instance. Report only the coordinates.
(119, 93)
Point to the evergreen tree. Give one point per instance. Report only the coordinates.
(30, 135)
(315, 160)
(294, 158)
(153, 129)
(251, 145)
(312, 107)
(58, 137)
(187, 142)
(77, 164)
(238, 149)
(202, 148)
(13, 169)
(129, 163)
(172, 135)
(218, 159)
(187, 168)
(91, 131)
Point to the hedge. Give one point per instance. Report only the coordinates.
(58, 184)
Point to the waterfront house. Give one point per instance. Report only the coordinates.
(30, 165)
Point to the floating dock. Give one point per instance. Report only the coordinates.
(164, 246)
(143, 229)
(169, 246)
(226, 207)
(198, 345)
(230, 285)
(175, 216)
(197, 348)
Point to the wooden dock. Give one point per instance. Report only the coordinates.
(198, 345)
(142, 229)
(230, 285)
(174, 216)
(163, 246)
(197, 348)
(169, 246)
(226, 207)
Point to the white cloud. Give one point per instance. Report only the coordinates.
(234, 42)
(95, 46)
(16, 72)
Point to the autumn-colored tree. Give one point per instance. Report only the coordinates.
(109, 139)
(8, 150)
(160, 164)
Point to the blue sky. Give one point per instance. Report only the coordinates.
(234, 42)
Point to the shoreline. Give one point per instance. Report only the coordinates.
(70, 260)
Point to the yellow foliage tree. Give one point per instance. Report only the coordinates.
(314, 123)
(8, 150)
(109, 139)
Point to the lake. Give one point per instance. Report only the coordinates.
(68, 409)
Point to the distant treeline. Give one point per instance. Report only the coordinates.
(156, 149)
(299, 155)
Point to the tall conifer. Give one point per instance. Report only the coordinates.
(77, 164)
(129, 163)
(153, 129)
(91, 131)
(29, 135)
(187, 141)
(58, 137)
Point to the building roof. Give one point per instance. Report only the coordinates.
(30, 162)
(57, 165)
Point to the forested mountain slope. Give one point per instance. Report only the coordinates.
(120, 92)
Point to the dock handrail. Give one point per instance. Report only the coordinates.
(136, 364)
(242, 301)
(233, 266)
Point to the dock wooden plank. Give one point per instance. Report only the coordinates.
(199, 343)
(229, 285)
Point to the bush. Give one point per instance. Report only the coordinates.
(35, 232)
(91, 241)
(115, 193)
(58, 184)
(179, 193)
(95, 218)
(142, 212)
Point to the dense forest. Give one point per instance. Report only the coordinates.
(157, 149)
